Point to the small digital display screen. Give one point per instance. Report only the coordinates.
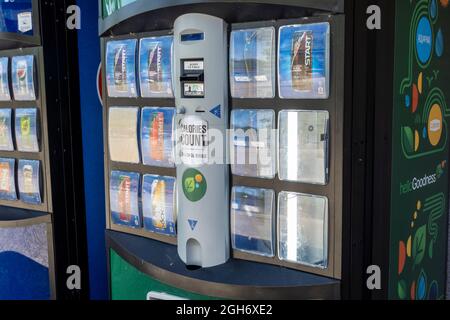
(192, 37)
(194, 90)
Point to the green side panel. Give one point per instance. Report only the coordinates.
(420, 175)
(128, 283)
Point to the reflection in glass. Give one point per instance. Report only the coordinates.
(252, 63)
(253, 143)
(303, 152)
(303, 229)
(252, 213)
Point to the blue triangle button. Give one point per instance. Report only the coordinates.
(216, 111)
(193, 224)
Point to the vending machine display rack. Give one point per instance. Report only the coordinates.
(130, 167)
(42, 156)
(334, 104)
(141, 17)
(331, 190)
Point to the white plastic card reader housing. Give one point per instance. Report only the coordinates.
(201, 95)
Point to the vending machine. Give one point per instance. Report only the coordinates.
(251, 148)
(35, 244)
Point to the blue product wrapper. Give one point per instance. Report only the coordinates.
(156, 136)
(158, 204)
(22, 75)
(124, 199)
(155, 67)
(29, 174)
(121, 68)
(304, 61)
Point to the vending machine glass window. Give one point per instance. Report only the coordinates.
(27, 130)
(253, 143)
(303, 61)
(252, 63)
(5, 94)
(123, 134)
(303, 229)
(8, 179)
(6, 137)
(155, 67)
(29, 177)
(252, 220)
(121, 68)
(303, 146)
(22, 77)
(124, 198)
(157, 143)
(159, 204)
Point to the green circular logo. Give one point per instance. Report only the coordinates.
(194, 185)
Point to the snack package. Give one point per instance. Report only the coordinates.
(124, 199)
(8, 179)
(304, 61)
(121, 68)
(27, 128)
(22, 76)
(155, 67)
(29, 175)
(157, 143)
(159, 205)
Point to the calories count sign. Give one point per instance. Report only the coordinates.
(193, 141)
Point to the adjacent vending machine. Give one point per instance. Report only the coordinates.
(35, 249)
(25, 185)
(251, 148)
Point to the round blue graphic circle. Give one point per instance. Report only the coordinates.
(439, 43)
(424, 40)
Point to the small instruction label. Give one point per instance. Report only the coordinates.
(24, 22)
(193, 139)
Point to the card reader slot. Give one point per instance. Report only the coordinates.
(194, 77)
